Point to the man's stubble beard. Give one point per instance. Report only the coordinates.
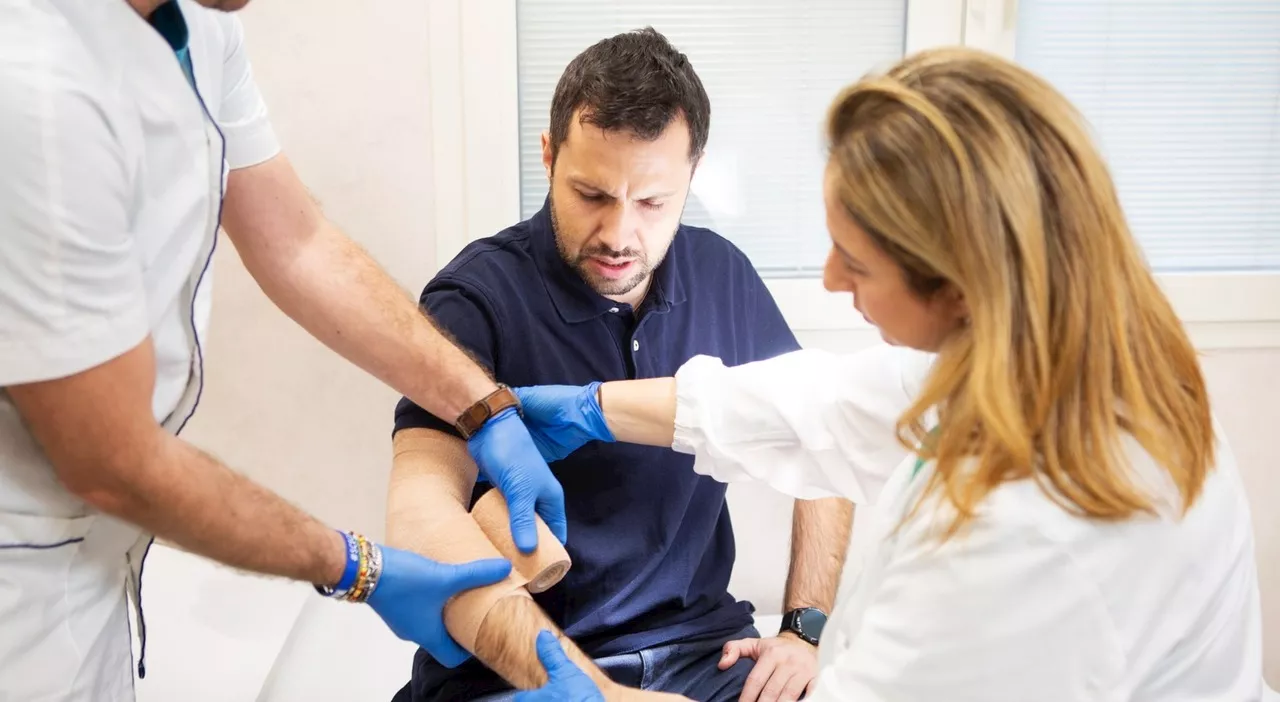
(579, 262)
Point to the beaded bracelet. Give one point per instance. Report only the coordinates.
(362, 571)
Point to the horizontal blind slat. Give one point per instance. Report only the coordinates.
(1183, 97)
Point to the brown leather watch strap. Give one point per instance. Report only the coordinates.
(481, 412)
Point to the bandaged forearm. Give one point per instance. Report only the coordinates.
(430, 486)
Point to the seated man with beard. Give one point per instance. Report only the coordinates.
(606, 283)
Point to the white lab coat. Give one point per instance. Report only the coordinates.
(110, 194)
(1030, 603)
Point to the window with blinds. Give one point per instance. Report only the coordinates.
(770, 67)
(1184, 99)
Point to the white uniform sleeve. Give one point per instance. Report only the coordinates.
(997, 613)
(242, 115)
(71, 289)
(808, 423)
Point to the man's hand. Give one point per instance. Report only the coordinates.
(785, 667)
(508, 458)
(563, 418)
(413, 590)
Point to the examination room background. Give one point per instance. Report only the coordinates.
(349, 88)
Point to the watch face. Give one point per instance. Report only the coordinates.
(810, 623)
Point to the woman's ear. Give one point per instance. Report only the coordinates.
(956, 306)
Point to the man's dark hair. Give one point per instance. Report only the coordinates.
(636, 82)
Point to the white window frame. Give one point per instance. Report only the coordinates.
(476, 161)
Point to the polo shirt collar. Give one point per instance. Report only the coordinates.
(574, 300)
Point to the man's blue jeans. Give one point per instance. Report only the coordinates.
(689, 668)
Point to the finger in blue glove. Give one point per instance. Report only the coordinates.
(412, 591)
(565, 681)
(508, 458)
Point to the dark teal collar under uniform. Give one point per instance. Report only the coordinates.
(172, 26)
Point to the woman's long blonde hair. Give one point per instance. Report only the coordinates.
(970, 170)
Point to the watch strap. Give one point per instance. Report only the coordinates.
(791, 623)
(489, 406)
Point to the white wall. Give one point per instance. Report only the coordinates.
(348, 87)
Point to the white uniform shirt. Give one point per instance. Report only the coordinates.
(112, 169)
(110, 192)
(1030, 602)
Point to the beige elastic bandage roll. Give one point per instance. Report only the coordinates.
(544, 567)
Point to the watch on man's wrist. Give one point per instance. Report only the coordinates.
(806, 623)
(488, 407)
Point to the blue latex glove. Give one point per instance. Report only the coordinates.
(565, 681)
(412, 591)
(563, 418)
(508, 458)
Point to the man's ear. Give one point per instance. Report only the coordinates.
(548, 159)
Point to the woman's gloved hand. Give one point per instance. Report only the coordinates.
(412, 591)
(508, 458)
(565, 681)
(563, 418)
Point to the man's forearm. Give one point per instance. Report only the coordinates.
(188, 497)
(820, 532)
(334, 290)
(506, 644)
(431, 480)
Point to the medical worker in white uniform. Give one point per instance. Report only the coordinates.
(128, 130)
(1062, 519)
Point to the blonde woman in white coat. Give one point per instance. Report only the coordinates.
(1058, 515)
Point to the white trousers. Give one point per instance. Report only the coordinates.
(65, 634)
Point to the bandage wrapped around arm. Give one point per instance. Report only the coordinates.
(431, 483)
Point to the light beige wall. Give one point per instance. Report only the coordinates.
(1245, 385)
(347, 86)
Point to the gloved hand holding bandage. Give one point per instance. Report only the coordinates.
(508, 458)
(447, 533)
(412, 591)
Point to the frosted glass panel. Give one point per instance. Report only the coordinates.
(1184, 97)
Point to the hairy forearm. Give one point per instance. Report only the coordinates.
(335, 291)
(640, 411)
(506, 644)
(820, 531)
(186, 496)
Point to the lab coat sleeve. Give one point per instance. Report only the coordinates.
(999, 612)
(242, 116)
(808, 424)
(71, 289)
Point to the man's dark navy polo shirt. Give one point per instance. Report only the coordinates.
(651, 541)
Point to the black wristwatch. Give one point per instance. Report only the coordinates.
(806, 622)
